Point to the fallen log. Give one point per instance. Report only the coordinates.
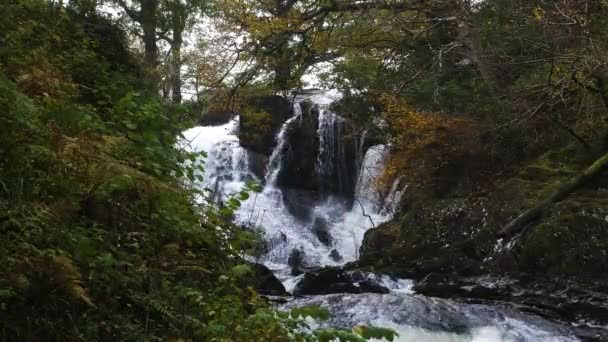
(519, 223)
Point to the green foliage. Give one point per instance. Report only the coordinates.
(103, 235)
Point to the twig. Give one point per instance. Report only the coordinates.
(364, 214)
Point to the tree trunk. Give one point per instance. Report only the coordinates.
(149, 23)
(465, 36)
(176, 67)
(518, 224)
(179, 15)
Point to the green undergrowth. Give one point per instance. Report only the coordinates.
(103, 238)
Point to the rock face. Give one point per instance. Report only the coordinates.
(339, 145)
(458, 235)
(335, 280)
(265, 282)
(215, 117)
(414, 247)
(260, 122)
(298, 170)
(257, 163)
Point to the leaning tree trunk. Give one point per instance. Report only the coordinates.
(518, 224)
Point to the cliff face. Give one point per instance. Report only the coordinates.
(458, 234)
(322, 153)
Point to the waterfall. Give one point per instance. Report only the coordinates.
(276, 158)
(327, 137)
(342, 224)
(226, 165)
(335, 230)
(361, 149)
(371, 167)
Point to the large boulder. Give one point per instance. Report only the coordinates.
(335, 280)
(300, 203)
(261, 120)
(424, 242)
(265, 282)
(320, 227)
(215, 117)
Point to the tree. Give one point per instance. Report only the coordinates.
(146, 16)
(286, 37)
(179, 16)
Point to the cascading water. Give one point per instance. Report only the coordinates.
(329, 129)
(276, 158)
(226, 166)
(415, 317)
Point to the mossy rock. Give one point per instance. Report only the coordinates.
(256, 131)
(261, 119)
(439, 238)
(571, 239)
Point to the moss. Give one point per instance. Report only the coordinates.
(261, 119)
(256, 128)
(571, 239)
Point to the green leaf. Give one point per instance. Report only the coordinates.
(369, 332)
(313, 311)
(241, 270)
(243, 195)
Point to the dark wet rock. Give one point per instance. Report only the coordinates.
(270, 243)
(260, 122)
(264, 281)
(436, 285)
(299, 160)
(372, 286)
(358, 275)
(335, 255)
(300, 169)
(335, 280)
(296, 261)
(325, 281)
(257, 164)
(457, 235)
(320, 228)
(300, 203)
(561, 300)
(215, 117)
